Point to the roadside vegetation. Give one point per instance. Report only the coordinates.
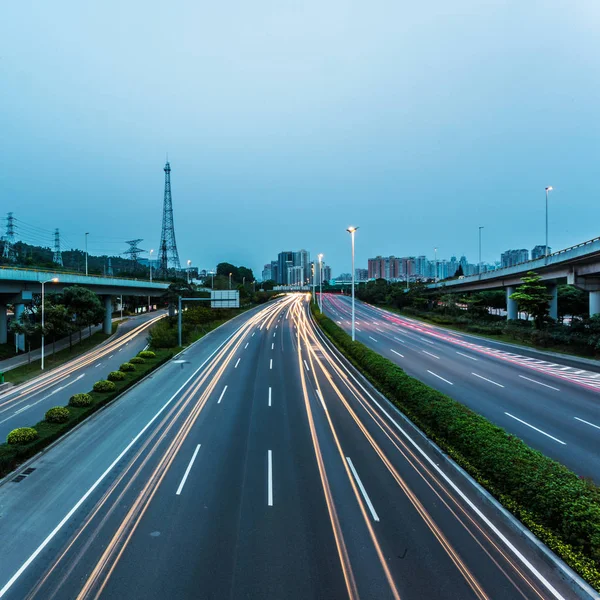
(479, 313)
(560, 508)
(25, 442)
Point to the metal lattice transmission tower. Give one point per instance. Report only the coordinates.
(57, 257)
(8, 251)
(134, 251)
(167, 253)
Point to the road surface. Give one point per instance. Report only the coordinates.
(26, 404)
(553, 404)
(255, 465)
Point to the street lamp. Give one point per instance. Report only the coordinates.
(150, 264)
(230, 274)
(320, 283)
(435, 265)
(548, 189)
(212, 280)
(352, 231)
(86, 252)
(479, 267)
(189, 262)
(53, 280)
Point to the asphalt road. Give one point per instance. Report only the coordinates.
(255, 465)
(550, 403)
(26, 404)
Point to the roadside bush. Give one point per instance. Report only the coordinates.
(22, 435)
(137, 360)
(147, 354)
(80, 400)
(127, 367)
(163, 335)
(550, 498)
(58, 414)
(116, 376)
(104, 386)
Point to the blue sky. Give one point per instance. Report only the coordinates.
(287, 121)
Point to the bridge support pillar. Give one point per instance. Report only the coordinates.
(171, 309)
(512, 309)
(19, 337)
(594, 303)
(3, 324)
(553, 291)
(107, 324)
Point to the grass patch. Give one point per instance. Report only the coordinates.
(562, 509)
(11, 456)
(33, 369)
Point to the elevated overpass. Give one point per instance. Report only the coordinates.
(578, 266)
(17, 286)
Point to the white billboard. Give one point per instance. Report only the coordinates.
(225, 299)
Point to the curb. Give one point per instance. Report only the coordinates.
(576, 583)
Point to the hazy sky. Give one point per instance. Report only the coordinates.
(287, 121)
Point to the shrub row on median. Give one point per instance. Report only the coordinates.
(25, 442)
(557, 505)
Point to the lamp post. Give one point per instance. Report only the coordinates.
(86, 252)
(212, 280)
(352, 231)
(189, 263)
(230, 274)
(548, 190)
(150, 264)
(435, 266)
(53, 280)
(479, 265)
(320, 283)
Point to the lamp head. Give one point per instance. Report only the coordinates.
(549, 188)
(351, 229)
(54, 280)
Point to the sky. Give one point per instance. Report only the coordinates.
(286, 122)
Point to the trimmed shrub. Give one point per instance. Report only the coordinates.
(22, 435)
(80, 400)
(104, 386)
(127, 367)
(116, 376)
(147, 354)
(58, 414)
(137, 360)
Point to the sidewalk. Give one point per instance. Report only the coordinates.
(23, 358)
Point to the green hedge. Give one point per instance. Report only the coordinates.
(79, 409)
(57, 414)
(21, 435)
(104, 386)
(127, 367)
(147, 354)
(137, 360)
(560, 507)
(116, 376)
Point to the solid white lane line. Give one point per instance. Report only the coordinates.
(373, 338)
(488, 380)
(247, 344)
(269, 396)
(271, 364)
(434, 356)
(222, 394)
(187, 471)
(536, 429)
(466, 355)
(270, 479)
(436, 375)
(398, 353)
(306, 365)
(587, 423)
(362, 490)
(237, 363)
(539, 383)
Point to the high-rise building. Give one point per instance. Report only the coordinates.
(361, 274)
(540, 252)
(326, 272)
(421, 266)
(285, 260)
(514, 257)
(267, 273)
(275, 271)
(384, 268)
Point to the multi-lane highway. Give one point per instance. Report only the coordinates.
(256, 465)
(26, 404)
(552, 404)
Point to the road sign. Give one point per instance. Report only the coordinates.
(225, 299)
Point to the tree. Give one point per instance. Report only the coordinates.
(225, 268)
(57, 322)
(533, 298)
(245, 272)
(26, 326)
(572, 301)
(84, 305)
(268, 285)
(459, 272)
